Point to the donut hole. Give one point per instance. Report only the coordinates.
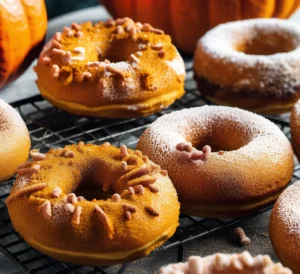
(91, 192)
(120, 50)
(221, 137)
(216, 146)
(94, 177)
(267, 43)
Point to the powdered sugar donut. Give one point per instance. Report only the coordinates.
(14, 140)
(295, 128)
(285, 227)
(250, 164)
(252, 64)
(116, 68)
(242, 263)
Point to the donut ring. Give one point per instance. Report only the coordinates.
(51, 218)
(246, 171)
(295, 128)
(251, 64)
(227, 263)
(14, 140)
(111, 69)
(284, 227)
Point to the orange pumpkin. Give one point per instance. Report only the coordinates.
(23, 25)
(188, 20)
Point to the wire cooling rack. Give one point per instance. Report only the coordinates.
(50, 127)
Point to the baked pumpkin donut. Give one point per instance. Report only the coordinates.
(295, 128)
(224, 162)
(219, 263)
(47, 211)
(111, 69)
(284, 227)
(14, 140)
(252, 64)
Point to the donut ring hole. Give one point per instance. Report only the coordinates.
(219, 143)
(216, 136)
(266, 42)
(120, 50)
(92, 191)
(217, 146)
(93, 178)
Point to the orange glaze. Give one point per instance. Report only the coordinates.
(111, 69)
(100, 231)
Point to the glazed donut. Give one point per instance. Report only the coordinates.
(251, 162)
(111, 69)
(295, 128)
(284, 227)
(251, 64)
(14, 139)
(46, 210)
(227, 263)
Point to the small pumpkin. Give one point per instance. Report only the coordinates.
(186, 21)
(23, 25)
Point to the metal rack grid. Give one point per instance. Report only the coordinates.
(50, 127)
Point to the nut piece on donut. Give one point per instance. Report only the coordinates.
(250, 163)
(47, 207)
(252, 64)
(284, 227)
(295, 128)
(14, 139)
(227, 263)
(111, 69)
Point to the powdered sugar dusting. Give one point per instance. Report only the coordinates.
(287, 210)
(226, 263)
(21, 182)
(278, 73)
(123, 66)
(9, 120)
(79, 50)
(78, 58)
(177, 64)
(296, 110)
(123, 86)
(253, 141)
(295, 128)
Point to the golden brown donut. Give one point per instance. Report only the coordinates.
(284, 227)
(14, 140)
(219, 263)
(46, 207)
(295, 128)
(251, 162)
(251, 64)
(111, 69)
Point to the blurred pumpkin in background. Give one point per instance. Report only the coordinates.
(187, 20)
(23, 25)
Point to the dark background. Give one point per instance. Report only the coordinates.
(58, 7)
